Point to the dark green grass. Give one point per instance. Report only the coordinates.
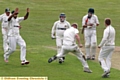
(36, 32)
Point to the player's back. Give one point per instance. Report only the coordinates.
(69, 37)
(111, 35)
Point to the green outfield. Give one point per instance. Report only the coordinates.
(37, 30)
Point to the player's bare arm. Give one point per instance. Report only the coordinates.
(27, 14)
(99, 47)
(15, 12)
(84, 26)
(20, 27)
(97, 24)
(78, 39)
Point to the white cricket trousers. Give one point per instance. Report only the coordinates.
(59, 43)
(74, 49)
(5, 43)
(13, 41)
(105, 56)
(90, 42)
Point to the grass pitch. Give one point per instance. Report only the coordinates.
(36, 32)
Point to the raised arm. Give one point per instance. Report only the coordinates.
(27, 14)
(15, 12)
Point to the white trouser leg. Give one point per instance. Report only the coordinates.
(108, 59)
(62, 53)
(93, 49)
(87, 42)
(76, 51)
(81, 57)
(5, 43)
(5, 38)
(87, 49)
(105, 57)
(22, 45)
(93, 43)
(59, 42)
(103, 64)
(12, 46)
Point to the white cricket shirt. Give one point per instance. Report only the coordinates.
(93, 20)
(14, 26)
(69, 36)
(108, 37)
(4, 20)
(59, 28)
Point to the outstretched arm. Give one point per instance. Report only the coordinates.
(27, 14)
(78, 40)
(15, 12)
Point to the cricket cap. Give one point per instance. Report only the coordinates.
(91, 10)
(7, 10)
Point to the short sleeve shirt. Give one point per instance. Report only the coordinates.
(69, 36)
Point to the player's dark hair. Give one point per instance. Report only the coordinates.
(12, 11)
(91, 10)
(108, 21)
(7, 10)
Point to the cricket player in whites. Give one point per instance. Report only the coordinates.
(15, 38)
(107, 46)
(4, 25)
(89, 23)
(69, 45)
(57, 32)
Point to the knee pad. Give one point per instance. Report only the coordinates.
(11, 50)
(59, 47)
(23, 46)
(93, 45)
(87, 45)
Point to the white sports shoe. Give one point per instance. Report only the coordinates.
(93, 57)
(106, 74)
(25, 62)
(87, 70)
(61, 60)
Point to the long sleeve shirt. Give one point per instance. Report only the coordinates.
(108, 37)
